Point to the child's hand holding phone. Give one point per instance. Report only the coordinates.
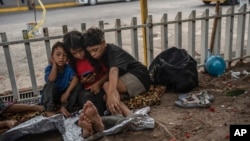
(88, 77)
(87, 74)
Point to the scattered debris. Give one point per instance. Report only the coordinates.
(235, 74)
(235, 92)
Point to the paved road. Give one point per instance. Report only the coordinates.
(25, 5)
(14, 3)
(17, 5)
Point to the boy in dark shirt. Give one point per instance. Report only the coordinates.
(127, 76)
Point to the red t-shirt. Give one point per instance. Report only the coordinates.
(83, 65)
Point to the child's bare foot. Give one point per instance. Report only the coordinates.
(10, 123)
(64, 111)
(86, 125)
(92, 114)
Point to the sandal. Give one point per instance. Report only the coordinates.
(204, 94)
(202, 100)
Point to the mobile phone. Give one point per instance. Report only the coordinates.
(87, 73)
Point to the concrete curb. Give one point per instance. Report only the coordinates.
(47, 6)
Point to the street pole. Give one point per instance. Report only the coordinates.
(34, 7)
(214, 26)
(144, 15)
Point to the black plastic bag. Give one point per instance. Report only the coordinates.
(176, 69)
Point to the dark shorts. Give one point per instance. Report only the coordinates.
(96, 99)
(51, 97)
(78, 97)
(133, 84)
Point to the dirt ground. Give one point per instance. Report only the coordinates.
(173, 123)
(199, 124)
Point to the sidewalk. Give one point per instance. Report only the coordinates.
(15, 6)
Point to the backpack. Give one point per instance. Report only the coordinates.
(175, 69)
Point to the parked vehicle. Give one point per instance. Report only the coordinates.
(231, 2)
(94, 2)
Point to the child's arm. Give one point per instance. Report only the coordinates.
(87, 79)
(71, 86)
(95, 88)
(53, 72)
(113, 79)
(113, 97)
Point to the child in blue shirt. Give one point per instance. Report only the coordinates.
(62, 89)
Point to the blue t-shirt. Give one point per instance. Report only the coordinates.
(63, 78)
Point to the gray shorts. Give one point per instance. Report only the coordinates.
(133, 84)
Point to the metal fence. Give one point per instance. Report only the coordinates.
(193, 34)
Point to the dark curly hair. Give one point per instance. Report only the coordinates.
(57, 45)
(93, 36)
(75, 40)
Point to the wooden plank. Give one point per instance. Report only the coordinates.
(83, 27)
(178, 30)
(30, 64)
(204, 36)
(229, 35)
(240, 32)
(9, 64)
(118, 33)
(164, 32)
(191, 33)
(47, 43)
(248, 38)
(149, 37)
(134, 39)
(65, 29)
(217, 43)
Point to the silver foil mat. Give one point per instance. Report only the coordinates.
(35, 125)
(71, 132)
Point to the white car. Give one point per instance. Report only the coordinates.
(231, 2)
(94, 2)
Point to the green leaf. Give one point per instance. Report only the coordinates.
(235, 92)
